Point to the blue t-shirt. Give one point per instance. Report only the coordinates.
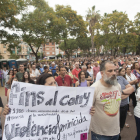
(123, 82)
(53, 69)
(42, 70)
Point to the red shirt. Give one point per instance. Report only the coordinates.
(75, 72)
(95, 71)
(66, 82)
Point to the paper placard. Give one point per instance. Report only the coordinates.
(48, 113)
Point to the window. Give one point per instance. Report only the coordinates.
(52, 52)
(57, 47)
(52, 48)
(48, 53)
(4, 51)
(47, 43)
(4, 46)
(52, 43)
(47, 48)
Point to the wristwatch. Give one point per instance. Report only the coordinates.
(122, 92)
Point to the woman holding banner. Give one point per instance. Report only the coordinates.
(46, 80)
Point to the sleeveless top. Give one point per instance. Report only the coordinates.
(83, 84)
(90, 73)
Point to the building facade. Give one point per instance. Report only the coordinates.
(49, 50)
(21, 51)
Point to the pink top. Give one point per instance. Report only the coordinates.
(95, 71)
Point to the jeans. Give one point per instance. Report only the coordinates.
(133, 97)
(123, 114)
(102, 137)
(138, 128)
(1, 82)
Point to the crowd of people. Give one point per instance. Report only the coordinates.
(115, 79)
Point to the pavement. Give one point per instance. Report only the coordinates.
(126, 134)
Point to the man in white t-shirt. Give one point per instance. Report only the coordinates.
(107, 99)
(35, 71)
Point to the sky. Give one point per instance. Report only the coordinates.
(131, 7)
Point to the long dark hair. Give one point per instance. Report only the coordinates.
(29, 79)
(134, 65)
(88, 64)
(42, 78)
(10, 71)
(120, 69)
(79, 76)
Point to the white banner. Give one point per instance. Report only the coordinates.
(48, 113)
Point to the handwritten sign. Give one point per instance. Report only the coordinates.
(48, 113)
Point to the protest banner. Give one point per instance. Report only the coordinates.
(48, 113)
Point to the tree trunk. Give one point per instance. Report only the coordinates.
(35, 53)
(115, 51)
(92, 42)
(36, 58)
(124, 51)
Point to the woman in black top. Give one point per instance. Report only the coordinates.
(26, 78)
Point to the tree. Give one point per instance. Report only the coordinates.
(1, 57)
(92, 17)
(69, 48)
(119, 25)
(113, 31)
(9, 9)
(73, 27)
(59, 55)
(137, 32)
(39, 26)
(84, 43)
(13, 42)
(14, 56)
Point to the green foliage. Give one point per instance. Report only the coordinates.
(114, 32)
(1, 57)
(84, 43)
(73, 26)
(59, 55)
(39, 25)
(9, 9)
(137, 32)
(92, 18)
(40, 55)
(14, 56)
(69, 48)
